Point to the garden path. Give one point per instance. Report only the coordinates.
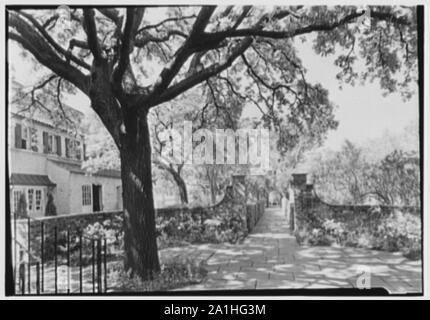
(270, 258)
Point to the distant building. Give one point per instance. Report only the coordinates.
(46, 157)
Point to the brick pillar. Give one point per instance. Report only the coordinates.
(301, 194)
(240, 191)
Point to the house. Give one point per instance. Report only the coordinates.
(46, 156)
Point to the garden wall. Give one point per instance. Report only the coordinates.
(230, 220)
(314, 221)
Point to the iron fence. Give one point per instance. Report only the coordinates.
(75, 265)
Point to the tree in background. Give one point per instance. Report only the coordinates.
(51, 209)
(353, 176)
(101, 150)
(21, 211)
(396, 179)
(341, 176)
(107, 54)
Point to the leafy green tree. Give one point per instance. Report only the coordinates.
(108, 54)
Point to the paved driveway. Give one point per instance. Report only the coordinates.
(271, 258)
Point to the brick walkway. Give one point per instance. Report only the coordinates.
(271, 258)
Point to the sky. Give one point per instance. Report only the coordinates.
(362, 111)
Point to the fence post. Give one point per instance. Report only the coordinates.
(99, 265)
(68, 261)
(105, 263)
(42, 253)
(29, 254)
(37, 278)
(55, 261)
(15, 268)
(93, 264)
(80, 263)
(22, 277)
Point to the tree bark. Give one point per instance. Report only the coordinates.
(141, 254)
(182, 187)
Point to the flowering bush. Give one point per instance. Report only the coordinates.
(400, 232)
(186, 228)
(397, 232)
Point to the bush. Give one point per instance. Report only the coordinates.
(51, 209)
(174, 274)
(21, 211)
(397, 232)
(187, 228)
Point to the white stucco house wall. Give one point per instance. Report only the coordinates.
(44, 157)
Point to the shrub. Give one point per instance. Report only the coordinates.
(396, 232)
(21, 211)
(188, 228)
(51, 209)
(175, 274)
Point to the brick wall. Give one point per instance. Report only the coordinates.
(233, 207)
(309, 210)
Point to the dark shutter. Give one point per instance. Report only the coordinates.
(85, 151)
(77, 150)
(18, 133)
(67, 143)
(58, 141)
(45, 142)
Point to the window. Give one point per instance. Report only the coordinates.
(67, 146)
(77, 150)
(21, 136)
(51, 144)
(16, 196)
(30, 194)
(24, 138)
(73, 149)
(58, 145)
(45, 137)
(86, 195)
(38, 205)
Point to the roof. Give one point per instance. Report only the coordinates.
(76, 168)
(30, 180)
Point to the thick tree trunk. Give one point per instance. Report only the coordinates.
(141, 255)
(182, 187)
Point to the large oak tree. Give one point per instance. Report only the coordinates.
(248, 52)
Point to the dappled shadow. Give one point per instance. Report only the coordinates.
(270, 258)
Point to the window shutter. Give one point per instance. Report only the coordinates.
(67, 143)
(18, 137)
(84, 146)
(77, 150)
(58, 141)
(45, 142)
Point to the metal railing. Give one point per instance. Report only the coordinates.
(56, 271)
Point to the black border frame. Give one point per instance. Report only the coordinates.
(340, 292)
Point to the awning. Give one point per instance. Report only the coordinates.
(30, 180)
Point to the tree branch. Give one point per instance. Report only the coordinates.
(112, 14)
(173, 19)
(91, 31)
(203, 75)
(52, 42)
(134, 17)
(33, 42)
(299, 31)
(168, 73)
